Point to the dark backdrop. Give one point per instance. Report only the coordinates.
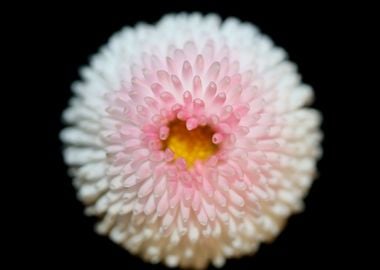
(315, 37)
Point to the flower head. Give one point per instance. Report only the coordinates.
(190, 139)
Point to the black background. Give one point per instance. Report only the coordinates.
(317, 37)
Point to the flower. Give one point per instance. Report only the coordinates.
(189, 138)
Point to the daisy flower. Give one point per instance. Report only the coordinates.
(190, 140)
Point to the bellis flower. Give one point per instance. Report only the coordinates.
(190, 139)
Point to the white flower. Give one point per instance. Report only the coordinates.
(190, 140)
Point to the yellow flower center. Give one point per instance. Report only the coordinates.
(191, 145)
